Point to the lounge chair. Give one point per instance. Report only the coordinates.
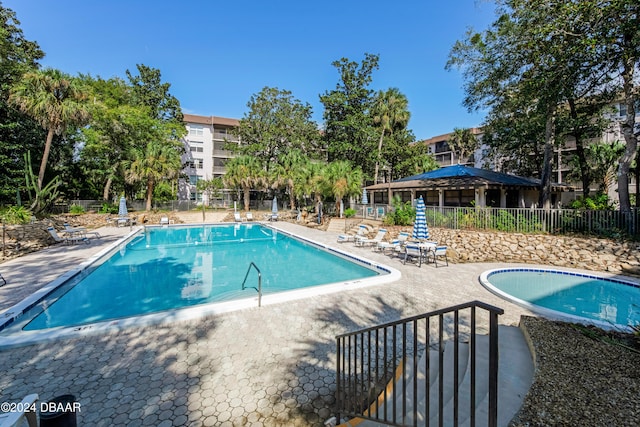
(439, 251)
(273, 217)
(249, 216)
(24, 416)
(67, 240)
(412, 250)
(237, 217)
(377, 239)
(164, 220)
(82, 231)
(362, 230)
(395, 244)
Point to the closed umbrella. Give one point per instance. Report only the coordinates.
(122, 209)
(420, 229)
(274, 209)
(365, 199)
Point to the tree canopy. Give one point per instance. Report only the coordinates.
(276, 123)
(543, 64)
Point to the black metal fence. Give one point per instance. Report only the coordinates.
(410, 371)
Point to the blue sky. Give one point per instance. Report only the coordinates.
(216, 54)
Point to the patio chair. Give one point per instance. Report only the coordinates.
(25, 417)
(82, 231)
(362, 230)
(237, 217)
(249, 216)
(377, 239)
(394, 244)
(67, 240)
(439, 251)
(164, 220)
(412, 250)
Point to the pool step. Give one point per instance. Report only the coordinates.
(515, 375)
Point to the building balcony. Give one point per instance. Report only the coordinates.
(219, 169)
(225, 136)
(222, 153)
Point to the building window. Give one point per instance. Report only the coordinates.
(196, 149)
(192, 197)
(193, 179)
(198, 163)
(196, 130)
(623, 110)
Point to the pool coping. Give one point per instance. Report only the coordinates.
(25, 338)
(547, 312)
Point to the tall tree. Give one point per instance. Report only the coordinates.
(390, 113)
(534, 56)
(275, 124)
(150, 91)
(116, 127)
(162, 132)
(617, 34)
(19, 134)
(245, 172)
(343, 180)
(153, 162)
(287, 171)
(462, 142)
(55, 100)
(349, 128)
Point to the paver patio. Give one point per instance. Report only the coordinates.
(267, 366)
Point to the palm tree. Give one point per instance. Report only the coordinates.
(462, 142)
(287, 171)
(55, 100)
(244, 172)
(343, 180)
(153, 162)
(391, 113)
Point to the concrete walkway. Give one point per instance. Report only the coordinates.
(266, 366)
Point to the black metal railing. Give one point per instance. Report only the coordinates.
(409, 372)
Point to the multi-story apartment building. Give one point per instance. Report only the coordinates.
(439, 148)
(205, 155)
(562, 166)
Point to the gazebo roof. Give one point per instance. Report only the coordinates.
(460, 176)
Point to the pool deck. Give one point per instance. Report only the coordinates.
(267, 366)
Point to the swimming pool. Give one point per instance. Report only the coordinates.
(607, 302)
(182, 272)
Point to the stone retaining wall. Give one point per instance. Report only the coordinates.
(463, 246)
(589, 253)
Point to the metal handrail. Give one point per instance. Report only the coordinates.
(369, 360)
(259, 288)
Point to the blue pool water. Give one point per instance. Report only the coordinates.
(606, 301)
(175, 267)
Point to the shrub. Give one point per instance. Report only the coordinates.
(349, 213)
(76, 209)
(16, 215)
(402, 213)
(597, 202)
(108, 208)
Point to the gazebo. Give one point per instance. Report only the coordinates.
(461, 185)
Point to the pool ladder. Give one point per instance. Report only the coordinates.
(259, 288)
